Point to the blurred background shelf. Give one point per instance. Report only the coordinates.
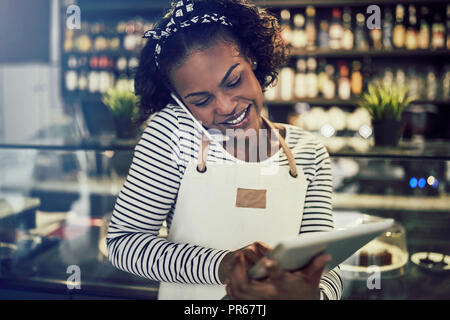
(339, 102)
(401, 53)
(439, 150)
(391, 203)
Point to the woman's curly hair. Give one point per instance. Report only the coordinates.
(255, 30)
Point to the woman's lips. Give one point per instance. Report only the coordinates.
(239, 121)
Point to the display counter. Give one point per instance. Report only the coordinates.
(53, 243)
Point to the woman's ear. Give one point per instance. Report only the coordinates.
(254, 65)
(251, 60)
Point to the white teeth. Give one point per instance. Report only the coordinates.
(239, 119)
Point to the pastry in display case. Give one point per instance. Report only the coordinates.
(432, 261)
(388, 251)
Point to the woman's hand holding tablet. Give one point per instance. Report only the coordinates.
(340, 244)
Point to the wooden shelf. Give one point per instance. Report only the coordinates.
(391, 202)
(401, 53)
(338, 102)
(106, 6)
(332, 3)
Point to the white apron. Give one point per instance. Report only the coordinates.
(207, 213)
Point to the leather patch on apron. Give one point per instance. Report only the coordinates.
(250, 198)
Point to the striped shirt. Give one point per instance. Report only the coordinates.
(148, 197)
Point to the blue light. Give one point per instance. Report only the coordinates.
(413, 182)
(435, 184)
(422, 183)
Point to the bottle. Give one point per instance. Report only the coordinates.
(105, 81)
(72, 62)
(93, 81)
(71, 80)
(387, 29)
(113, 38)
(324, 37)
(388, 77)
(310, 28)
(336, 30)
(445, 88)
(299, 34)
(437, 32)
(400, 77)
(287, 78)
(376, 36)
(399, 28)
(300, 79)
(311, 78)
(130, 41)
(68, 40)
(347, 36)
(329, 87)
(448, 27)
(121, 64)
(431, 85)
(100, 43)
(321, 76)
(356, 78)
(413, 82)
(360, 33)
(83, 42)
(423, 39)
(83, 81)
(344, 87)
(133, 64)
(286, 32)
(411, 32)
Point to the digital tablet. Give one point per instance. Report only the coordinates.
(340, 244)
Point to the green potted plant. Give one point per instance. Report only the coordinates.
(123, 104)
(385, 105)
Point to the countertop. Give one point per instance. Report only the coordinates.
(46, 273)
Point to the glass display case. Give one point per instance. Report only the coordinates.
(57, 197)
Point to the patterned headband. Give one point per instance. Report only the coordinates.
(182, 17)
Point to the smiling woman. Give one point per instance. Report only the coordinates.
(253, 31)
(224, 208)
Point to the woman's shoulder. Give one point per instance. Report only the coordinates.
(173, 114)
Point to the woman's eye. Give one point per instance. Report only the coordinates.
(201, 103)
(234, 83)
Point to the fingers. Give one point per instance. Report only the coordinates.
(274, 270)
(315, 268)
(241, 287)
(238, 282)
(255, 251)
(262, 247)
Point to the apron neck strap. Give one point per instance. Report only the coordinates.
(285, 147)
(204, 145)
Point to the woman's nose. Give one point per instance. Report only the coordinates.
(225, 104)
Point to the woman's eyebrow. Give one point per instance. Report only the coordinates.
(221, 82)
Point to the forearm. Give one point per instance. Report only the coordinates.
(149, 256)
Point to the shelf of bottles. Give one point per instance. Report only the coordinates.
(334, 55)
(101, 55)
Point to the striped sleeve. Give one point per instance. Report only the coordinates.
(318, 216)
(146, 199)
